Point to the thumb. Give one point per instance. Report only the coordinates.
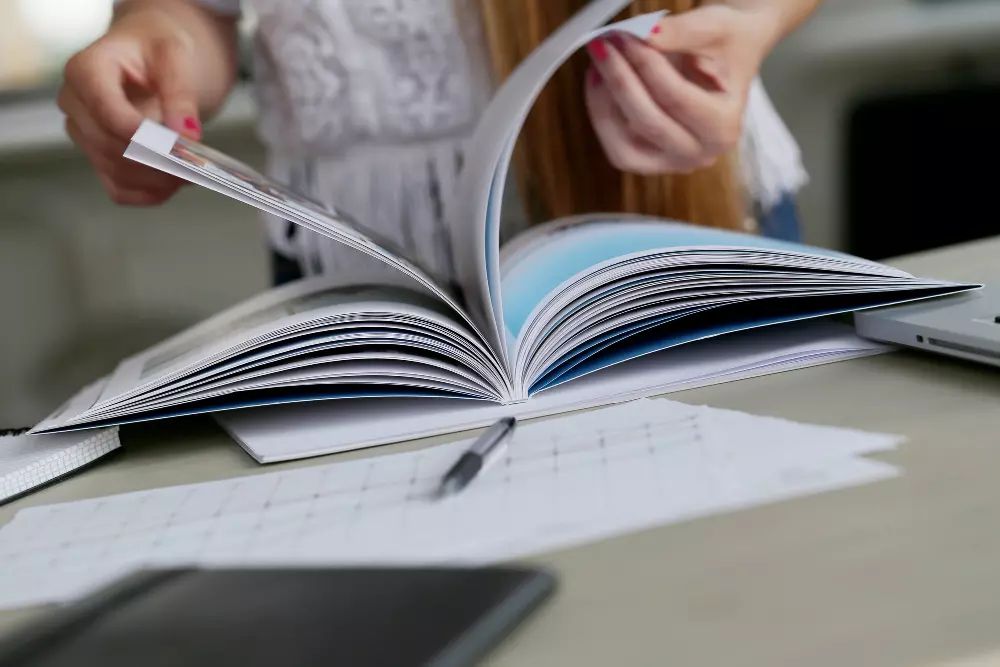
(688, 31)
(174, 74)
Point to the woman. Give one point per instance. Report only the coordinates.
(367, 105)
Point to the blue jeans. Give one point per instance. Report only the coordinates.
(781, 221)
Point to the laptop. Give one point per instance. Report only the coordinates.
(966, 325)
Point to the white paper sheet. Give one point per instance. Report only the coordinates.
(562, 482)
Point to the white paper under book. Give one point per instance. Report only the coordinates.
(560, 483)
(559, 302)
(284, 432)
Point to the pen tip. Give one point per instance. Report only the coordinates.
(445, 489)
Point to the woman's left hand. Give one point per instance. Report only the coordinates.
(676, 102)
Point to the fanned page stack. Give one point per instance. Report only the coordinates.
(561, 301)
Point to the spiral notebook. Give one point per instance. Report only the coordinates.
(29, 462)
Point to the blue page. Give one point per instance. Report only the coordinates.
(567, 253)
(638, 282)
(234, 403)
(644, 337)
(642, 346)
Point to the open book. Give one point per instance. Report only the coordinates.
(560, 301)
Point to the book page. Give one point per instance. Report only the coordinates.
(289, 432)
(282, 317)
(539, 261)
(476, 220)
(161, 148)
(480, 189)
(588, 292)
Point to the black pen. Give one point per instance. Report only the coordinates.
(471, 462)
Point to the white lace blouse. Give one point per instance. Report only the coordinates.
(366, 105)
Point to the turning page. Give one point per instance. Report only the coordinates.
(480, 187)
(476, 221)
(161, 148)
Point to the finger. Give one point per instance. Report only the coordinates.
(131, 197)
(118, 179)
(86, 130)
(703, 72)
(173, 71)
(122, 170)
(139, 177)
(100, 160)
(645, 117)
(123, 173)
(97, 80)
(621, 148)
(713, 118)
(691, 30)
(134, 176)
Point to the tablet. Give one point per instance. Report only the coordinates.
(356, 617)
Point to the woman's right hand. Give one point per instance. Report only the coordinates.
(145, 66)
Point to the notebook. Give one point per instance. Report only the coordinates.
(29, 462)
(561, 482)
(558, 302)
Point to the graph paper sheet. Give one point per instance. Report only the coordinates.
(561, 482)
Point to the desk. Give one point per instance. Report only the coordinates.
(902, 572)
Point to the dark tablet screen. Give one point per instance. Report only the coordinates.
(331, 617)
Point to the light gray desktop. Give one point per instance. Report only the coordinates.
(901, 572)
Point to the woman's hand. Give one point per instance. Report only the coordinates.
(150, 64)
(676, 102)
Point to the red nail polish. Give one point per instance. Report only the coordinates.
(191, 123)
(656, 29)
(598, 50)
(617, 41)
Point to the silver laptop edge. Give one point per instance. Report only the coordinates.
(966, 326)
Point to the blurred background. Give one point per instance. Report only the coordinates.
(894, 102)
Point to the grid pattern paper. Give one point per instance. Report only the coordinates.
(560, 482)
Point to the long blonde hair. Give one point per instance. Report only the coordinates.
(560, 165)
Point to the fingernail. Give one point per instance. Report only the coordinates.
(617, 41)
(191, 123)
(656, 29)
(597, 50)
(595, 77)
